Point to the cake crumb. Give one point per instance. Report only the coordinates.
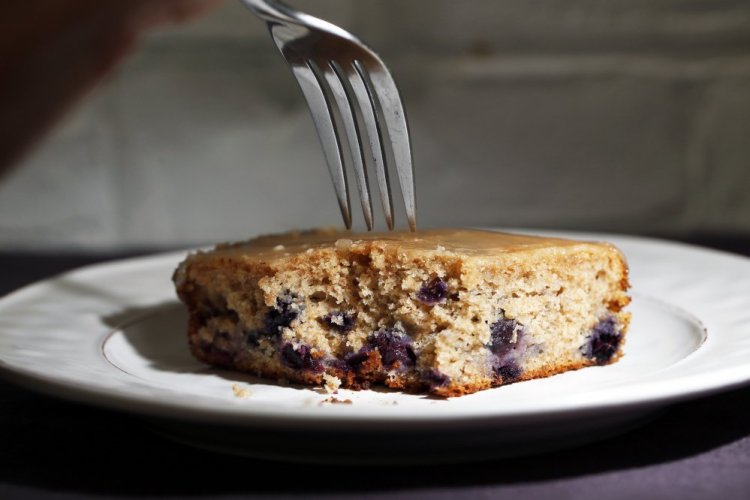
(240, 392)
(279, 248)
(343, 243)
(331, 383)
(440, 248)
(336, 401)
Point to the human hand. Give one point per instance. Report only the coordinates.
(53, 51)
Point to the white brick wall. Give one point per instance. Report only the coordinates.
(626, 115)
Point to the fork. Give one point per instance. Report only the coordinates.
(334, 68)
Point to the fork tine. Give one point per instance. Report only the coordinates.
(298, 36)
(398, 131)
(322, 114)
(366, 99)
(334, 76)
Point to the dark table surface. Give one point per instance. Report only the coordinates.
(56, 449)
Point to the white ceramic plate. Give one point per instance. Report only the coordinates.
(114, 335)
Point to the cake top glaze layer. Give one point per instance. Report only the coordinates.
(464, 241)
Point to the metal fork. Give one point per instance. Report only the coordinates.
(328, 61)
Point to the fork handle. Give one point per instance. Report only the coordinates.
(270, 10)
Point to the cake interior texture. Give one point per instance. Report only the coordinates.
(448, 312)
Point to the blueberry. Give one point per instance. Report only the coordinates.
(354, 360)
(282, 314)
(433, 292)
(337, 364)
(603, 342)
(394, 347)
(252, 338)
(504, 335)
(506, 343)
(435, 378)
(340, 321)
(509, 372)
(299, 358)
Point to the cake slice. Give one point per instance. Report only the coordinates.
(448, 312)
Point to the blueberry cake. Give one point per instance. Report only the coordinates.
(448, 312)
